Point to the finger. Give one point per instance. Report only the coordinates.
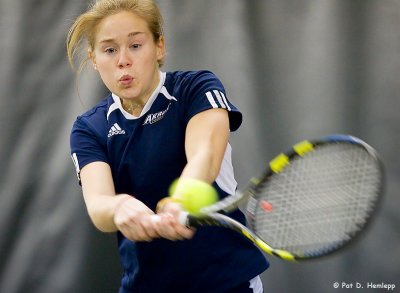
(135, 231)
(135, 234)
(182, 230)
(151, 225)
(174, 209)
(176, 230)
(165, 227)
(162, 204)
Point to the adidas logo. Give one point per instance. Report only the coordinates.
(114, 130)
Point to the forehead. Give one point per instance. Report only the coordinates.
(121, 24)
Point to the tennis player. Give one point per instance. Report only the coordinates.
(152, 128)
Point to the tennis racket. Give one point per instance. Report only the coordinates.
(309, 202)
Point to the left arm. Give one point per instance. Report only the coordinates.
(206, 140)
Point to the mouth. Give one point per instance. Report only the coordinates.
(126, 79)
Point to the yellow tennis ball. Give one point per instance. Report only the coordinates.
(193, 194)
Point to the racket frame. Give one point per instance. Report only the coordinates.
(215, 215)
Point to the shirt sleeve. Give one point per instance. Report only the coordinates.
(205, 91)
(85, 146)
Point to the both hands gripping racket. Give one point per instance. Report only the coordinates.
(309, 202)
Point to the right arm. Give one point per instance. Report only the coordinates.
(110, 212)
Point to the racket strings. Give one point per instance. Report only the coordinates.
(319, 201)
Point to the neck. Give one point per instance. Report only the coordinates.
(133, 107)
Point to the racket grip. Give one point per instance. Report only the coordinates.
(192, 221)
(184, 219)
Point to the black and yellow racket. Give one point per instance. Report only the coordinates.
(309, 202)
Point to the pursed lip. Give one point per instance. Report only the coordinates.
(126, 79)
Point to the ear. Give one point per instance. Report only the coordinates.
(160, 48)
(92, 57)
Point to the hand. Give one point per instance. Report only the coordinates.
(135, 220)
(169, 226)
(139, 223)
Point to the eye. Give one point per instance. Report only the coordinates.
(136, 46)
(109, 50)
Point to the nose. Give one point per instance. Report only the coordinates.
(124, 59)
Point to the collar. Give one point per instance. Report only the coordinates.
(118, 105)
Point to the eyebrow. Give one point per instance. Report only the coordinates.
(130, 35)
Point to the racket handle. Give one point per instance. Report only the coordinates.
(184, 219)
(192, 221)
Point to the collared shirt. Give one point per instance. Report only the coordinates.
(146, 153)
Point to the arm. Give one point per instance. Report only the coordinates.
(205, 144)
(99, 195)
(207, 136)
(110, 213)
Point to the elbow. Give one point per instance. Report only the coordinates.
(208, 163)
(215, 168)
(214, 165)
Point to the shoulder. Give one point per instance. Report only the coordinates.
(198, 91)
(189, 85)
(88, 137)
(188, 75)
(98, 111)
(95, 119)
(191, 78)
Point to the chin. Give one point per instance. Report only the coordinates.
(127, 94)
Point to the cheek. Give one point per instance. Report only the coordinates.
(151, 59)
(106, 76)
(104, 73)
(103, 66)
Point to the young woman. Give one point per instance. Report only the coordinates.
(151, 129)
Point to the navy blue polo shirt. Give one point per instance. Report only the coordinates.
(146, 154)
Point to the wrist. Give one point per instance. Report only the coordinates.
(121, 199)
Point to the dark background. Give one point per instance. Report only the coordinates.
(297, 69)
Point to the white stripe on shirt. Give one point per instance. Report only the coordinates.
(219, 98)
(211, 100)
(226, 101)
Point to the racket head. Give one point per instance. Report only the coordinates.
(316, 198)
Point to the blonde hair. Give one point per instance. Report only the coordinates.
(84, 27)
